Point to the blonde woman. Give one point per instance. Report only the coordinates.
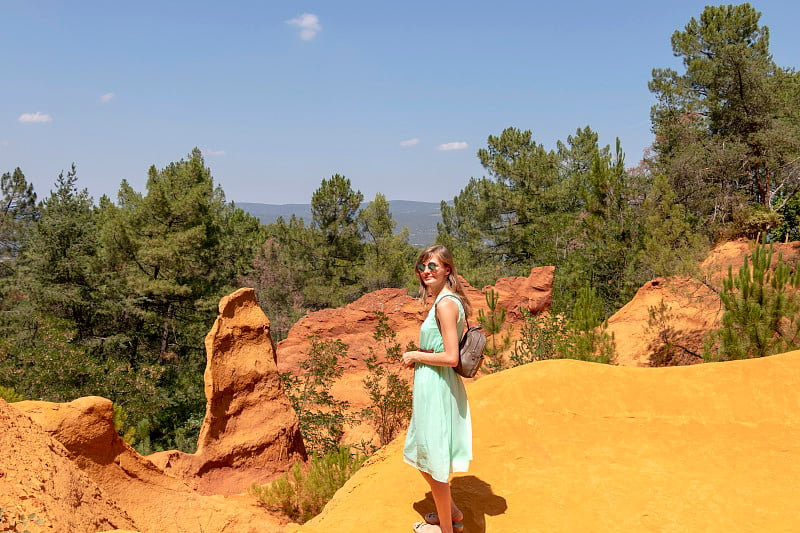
(439, 438)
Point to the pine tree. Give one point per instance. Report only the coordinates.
(493, 323)
(761, 309)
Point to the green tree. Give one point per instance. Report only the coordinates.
(492, 323)
(610, 232)
(334, 213)
(463, 229)
(387, 255)
(575, 208)
(727, 129)
(761, 309)
(18, 212)
(587, 338)
(515, 218)
(279, 275)
(62, 256)
(670, 244)
(176, 249)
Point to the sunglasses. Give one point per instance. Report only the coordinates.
(433, 267)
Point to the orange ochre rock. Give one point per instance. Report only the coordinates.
(572, 446)
(156, 502)
(250, 432)
(41, 489)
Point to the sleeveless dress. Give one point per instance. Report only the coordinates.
(439, 438)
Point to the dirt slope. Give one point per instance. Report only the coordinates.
(569, 446)
(41, 489)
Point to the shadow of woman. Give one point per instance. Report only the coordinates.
(474, 497)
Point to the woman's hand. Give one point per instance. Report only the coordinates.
(409, 359)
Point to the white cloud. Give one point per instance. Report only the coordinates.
(212, 153)
(37, 117)
(106, 98)
(452, 146)
(309, 25)
(409, 142)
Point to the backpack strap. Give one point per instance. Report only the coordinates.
(436, 316)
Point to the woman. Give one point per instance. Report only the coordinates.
(439, 439)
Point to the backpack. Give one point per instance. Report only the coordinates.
(470, 349)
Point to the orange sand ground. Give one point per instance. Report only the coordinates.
(581, 447)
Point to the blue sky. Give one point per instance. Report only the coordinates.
(398, 97)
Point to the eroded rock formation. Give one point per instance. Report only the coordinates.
(250, 432)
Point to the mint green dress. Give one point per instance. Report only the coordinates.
(439, 438)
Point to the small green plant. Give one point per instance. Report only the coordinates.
(493, 322)
(539, 339)
(761, 309)
(389, 392)
(321, 416)
(126, 431)
(303, 491)
(10, 395)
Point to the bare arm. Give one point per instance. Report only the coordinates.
(447, 313)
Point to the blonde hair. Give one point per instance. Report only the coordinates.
(452, 283)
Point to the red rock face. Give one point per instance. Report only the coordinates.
(250, 432)
(355, 323)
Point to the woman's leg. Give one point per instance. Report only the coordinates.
(444, 502)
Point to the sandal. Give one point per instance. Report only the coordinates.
(433, 518)
(424, 527)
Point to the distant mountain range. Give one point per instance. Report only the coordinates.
(419, 217)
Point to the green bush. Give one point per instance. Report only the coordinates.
(10, 395)
(321, 416)
(583, 337)
(303, 491)
(389, 392)
(539, 338)
(493, 323)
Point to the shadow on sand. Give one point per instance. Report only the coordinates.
(474, 497)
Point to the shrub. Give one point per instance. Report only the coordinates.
(10, 395)
(303, 491)
(321, 416)
(587, 339)
(389, 392)
(492, 323)
(539, 338)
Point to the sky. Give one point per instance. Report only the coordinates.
(278, 95)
